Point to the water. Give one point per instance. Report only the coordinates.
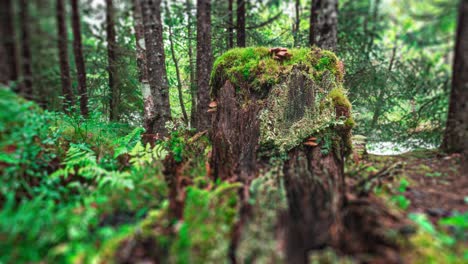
(396, 148)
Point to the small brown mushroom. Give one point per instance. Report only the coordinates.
(213, 104)
(211, 110)
(310, 144)
(311, 139)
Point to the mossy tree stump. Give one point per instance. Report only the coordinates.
(291, 109)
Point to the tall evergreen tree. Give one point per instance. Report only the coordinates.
(204, 63)
(193, 87)
(26, 87)
(8, 58)
(79, 60)
(241, 23)
(456, 133)
(114, 88)
(62, 42)
(160, 110)
(230, 24)
(324, 24)
(142, 64)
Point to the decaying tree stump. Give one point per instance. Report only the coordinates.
(293, 110)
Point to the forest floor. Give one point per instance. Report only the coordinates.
(426, 187)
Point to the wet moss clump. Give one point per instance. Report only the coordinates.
(301, 96)
(255, 69)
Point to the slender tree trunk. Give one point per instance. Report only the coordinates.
(324, 24)
(114, 88)
(142, 66)
(204, 63)
(160, 110)
(230, 23)
(26, 58)
(241, 23)
(193, 87)
(8, 57)
(456, 132)
(297, 23)
(176, 65)
(63, 57)
(79, 60)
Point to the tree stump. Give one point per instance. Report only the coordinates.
(294, 111)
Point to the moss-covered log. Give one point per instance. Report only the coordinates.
(292, 110)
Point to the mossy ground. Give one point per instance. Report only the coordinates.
(428, 190)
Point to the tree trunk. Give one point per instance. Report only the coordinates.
(456, 132)
(297, 23)
(160, 110)
(193, 87)
(204, 63)
(230, 23)
(8, 57)
(142, 66)
(241, 23)
(79, 60)
(114, 88)
(63, 57)
(26, 58)
(324, 24)
(176, 65)
(251, 126)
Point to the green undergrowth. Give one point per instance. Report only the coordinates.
(77, 190)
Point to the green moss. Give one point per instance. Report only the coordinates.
(255, 69)
(339, 98)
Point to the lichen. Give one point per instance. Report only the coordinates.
(317, 103)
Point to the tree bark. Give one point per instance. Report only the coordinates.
(26, 57)
(456, 132)
(204, 63)
(241, 23)
(193, 87)
(176, 65)
(114, 88)
(79, 60)
(313, 179)
(8, 57)
(142, 66)
(230, 23)
(297, 23)
(160, 110)
(63, 57)
(324, 24)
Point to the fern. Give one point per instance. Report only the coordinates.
(126, 143)
(82, 161)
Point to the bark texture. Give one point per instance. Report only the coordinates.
(193, 87)
(313, 179)
(114, 88)
(230, 41)
(159, 89)
(142, 65)
(204, 64)
(79, 59)
(241, 23)
(26, 87)
(324, 24)
(63, 57)
(456, 132)
(8, 58)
